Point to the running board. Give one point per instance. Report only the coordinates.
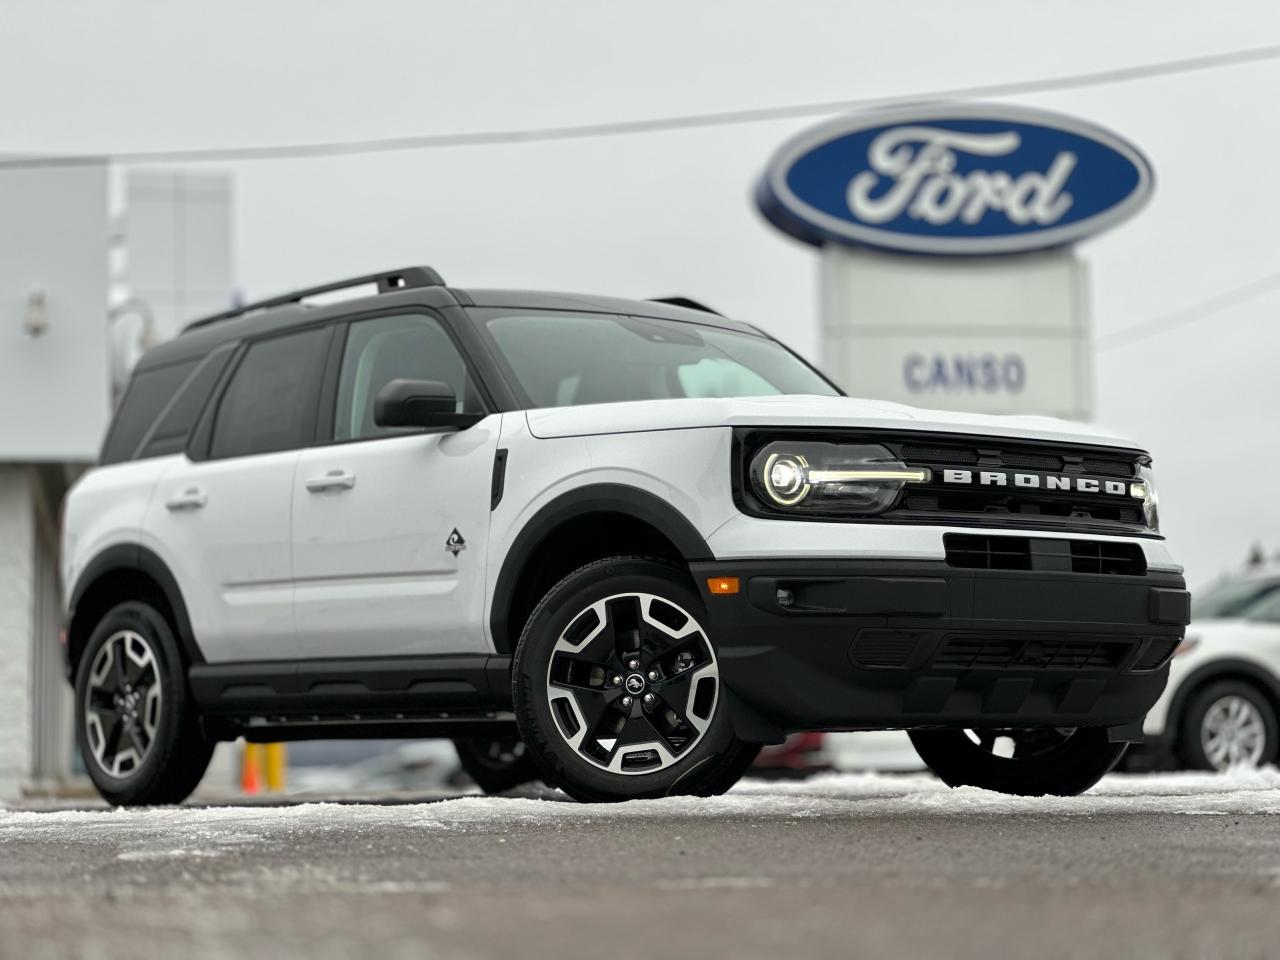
(418, 688)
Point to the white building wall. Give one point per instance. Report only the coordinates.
(17, 553)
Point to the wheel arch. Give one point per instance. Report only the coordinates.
(126, 571)
(585, 524)
(1214, 672)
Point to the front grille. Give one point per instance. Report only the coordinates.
(1100, 556)
(1038, 505)
(1003, 653)
(987, 553)
(972, 551)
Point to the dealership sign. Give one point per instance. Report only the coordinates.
(954, 179)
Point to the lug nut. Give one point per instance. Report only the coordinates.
(616, 680)
(633, 664)
(653, 674)
(627, 701)
(649, 698)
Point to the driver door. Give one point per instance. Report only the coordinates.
(391, 526)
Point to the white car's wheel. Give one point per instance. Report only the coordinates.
(617, 686)
(1229, 724)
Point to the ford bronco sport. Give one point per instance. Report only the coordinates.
(637, 537)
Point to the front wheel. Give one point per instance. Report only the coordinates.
(1229, 724)
(1031, 763)
(617, 687)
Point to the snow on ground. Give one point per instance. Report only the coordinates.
(185, 830)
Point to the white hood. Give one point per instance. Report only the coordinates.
(802, 411)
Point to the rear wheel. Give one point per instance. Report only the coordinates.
(136, 726)
(617, 687)
(1229, 724)
(496, 766)
(1031, 762)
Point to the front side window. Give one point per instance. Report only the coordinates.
(567, 359)
(269, 405)
(382, 349)
(1234, 598)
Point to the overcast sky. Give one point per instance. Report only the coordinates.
(670, 212)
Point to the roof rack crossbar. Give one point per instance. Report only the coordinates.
(388, 280)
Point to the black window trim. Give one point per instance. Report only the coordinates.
(200, 445)
(219, 354)
(114, 426)
(327, 406)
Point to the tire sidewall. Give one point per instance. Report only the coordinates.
(148, 622)
(1193, 752)
(561, 765)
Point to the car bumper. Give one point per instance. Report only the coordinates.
(863, 644)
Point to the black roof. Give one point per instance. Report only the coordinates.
(403, 287)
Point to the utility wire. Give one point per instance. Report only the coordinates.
(1191, 314)
(654, 125)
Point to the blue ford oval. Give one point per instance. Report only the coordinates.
(954, 179)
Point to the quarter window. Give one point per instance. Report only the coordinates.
(382, 349)
(270, 403)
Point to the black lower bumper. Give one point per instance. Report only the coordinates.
(853, 644)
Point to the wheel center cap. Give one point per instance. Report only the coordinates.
(635, 683)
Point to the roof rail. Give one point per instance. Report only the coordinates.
(388, 280)
(687, 302)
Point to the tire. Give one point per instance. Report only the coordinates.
(496, 766)
(573, 677)
(1044, 762)
(140, 747)
(1245, 722)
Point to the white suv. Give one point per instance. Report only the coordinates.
(641, 538)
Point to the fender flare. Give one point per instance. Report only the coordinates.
(137, 558)
(593, 498)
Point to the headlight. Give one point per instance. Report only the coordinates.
(1144, 488)
(858, 478)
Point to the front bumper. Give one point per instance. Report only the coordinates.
(874, 644)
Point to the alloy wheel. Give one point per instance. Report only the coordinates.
(633, 683)
(1233, 733)
(123, 703)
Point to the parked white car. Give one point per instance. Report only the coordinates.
(1221, 705)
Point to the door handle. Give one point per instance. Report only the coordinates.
(333, 480)
(193, 498)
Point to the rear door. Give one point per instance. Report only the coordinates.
(390, 527)
(223, 518)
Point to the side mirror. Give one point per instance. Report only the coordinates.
(420, 403)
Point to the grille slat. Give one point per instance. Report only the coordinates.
(973, 551)
(1002, 653)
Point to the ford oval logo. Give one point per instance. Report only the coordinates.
(954, 179)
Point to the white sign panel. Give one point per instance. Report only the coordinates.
(990, 335)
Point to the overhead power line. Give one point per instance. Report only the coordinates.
(1191, 314)
(434, 141)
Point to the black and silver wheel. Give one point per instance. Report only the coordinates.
(136, 727)
(1028, 762)
(617, 686)
(496, 766)
(1229, 724)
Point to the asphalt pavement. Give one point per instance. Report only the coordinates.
(842, 867)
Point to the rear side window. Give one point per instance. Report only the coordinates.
(170, 434)
(149, 393)
(269, 405)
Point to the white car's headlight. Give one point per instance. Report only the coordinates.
(1144, 488)
(851, 478)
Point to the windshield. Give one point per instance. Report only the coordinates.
(1235, 598)
(567, 359)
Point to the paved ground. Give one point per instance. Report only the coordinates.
(846, 867)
